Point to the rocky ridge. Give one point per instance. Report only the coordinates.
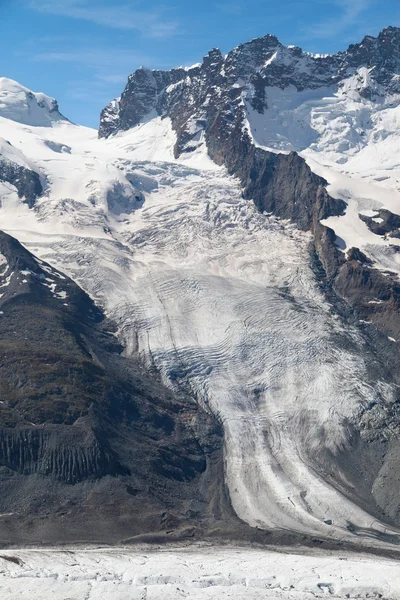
(192, 96)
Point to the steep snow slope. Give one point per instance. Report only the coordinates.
(222, 299)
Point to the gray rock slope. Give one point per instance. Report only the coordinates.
(92, 446)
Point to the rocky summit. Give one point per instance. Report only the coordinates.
(199, 304)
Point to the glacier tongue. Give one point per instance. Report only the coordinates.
(222, 299)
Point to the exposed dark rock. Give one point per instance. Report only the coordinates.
(356, 254)
(382, 54)
(383, 223)
(329, 255)
(26, 182)
(108, 118)
(277, 183)
(70, 454)
(362, 296)
(370, 299)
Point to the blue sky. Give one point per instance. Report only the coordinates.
(81, 51)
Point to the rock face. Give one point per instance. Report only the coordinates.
(19, 173)
(26, 182)
(79, 423)
(382, 54)
(384, 222)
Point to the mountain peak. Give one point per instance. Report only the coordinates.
(20, 104)
(389, 31)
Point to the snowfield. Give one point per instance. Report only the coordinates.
(200, 573)
(219, 297)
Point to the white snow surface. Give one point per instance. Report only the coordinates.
(198, 573)
(14, 155)
(220, 297)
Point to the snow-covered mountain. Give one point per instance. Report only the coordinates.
(238, 222)
(23, 106)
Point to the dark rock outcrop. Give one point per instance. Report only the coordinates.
(69, 454)
(383, 223)
(382, 54)
(26, 182)
(282, 184)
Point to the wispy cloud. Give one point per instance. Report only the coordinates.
(151, 23)
(349, 13)
(100, 73)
